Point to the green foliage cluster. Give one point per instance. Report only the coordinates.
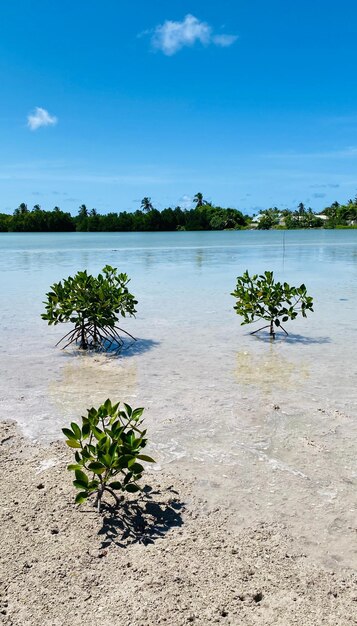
(108, 446)
(335, 216)
(342, 214)
(261, 298)
(93, 304)
(37, 220)
(204, 216)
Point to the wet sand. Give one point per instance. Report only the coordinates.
(172, 559)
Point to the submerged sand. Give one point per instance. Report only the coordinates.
(169, 559)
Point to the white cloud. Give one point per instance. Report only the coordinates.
(170, 36)
(40, 117)
(224, 40)
(185, 202)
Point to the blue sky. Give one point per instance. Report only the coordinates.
(253, 103)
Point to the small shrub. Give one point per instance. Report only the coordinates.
(108, 447)
(261, 298)
(93, 304)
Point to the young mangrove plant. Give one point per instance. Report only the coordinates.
(107, 445)
(261, 298)
(93, 304)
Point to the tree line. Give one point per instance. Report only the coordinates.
(204, 216)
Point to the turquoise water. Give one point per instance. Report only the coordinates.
(211, 391)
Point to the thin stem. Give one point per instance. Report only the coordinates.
(258, 329)
(117, 500)
(72, 331)
(125, 331)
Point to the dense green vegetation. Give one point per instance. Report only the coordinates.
(263, 298)
(93, 304)
(204, 216)
(107, 447)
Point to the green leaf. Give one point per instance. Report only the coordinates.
(137, 413)
(93, 485)
(76, 430)
(72, 443)
(81, 497)
(128, 478)
(96, 467)
(112, 449)
(124, 460)
(74, 466)
(107, 460)
(132, 488)
(98, 433)
(115, 408)
(107, 406)
(144, 457)
(81, 476)
(136, 468)
(115, 485)
(68, 433)
(85, 430)
(128, 409)
(92, 413)
(80, 484)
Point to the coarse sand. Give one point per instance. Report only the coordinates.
(162, 559)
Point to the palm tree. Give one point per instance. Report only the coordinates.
(21, 210)
(83, 211)
(301, 209)
(146, 204)
(199, 200)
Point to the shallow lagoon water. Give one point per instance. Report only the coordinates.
(266, 428)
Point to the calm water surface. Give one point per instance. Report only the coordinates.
(269, 428)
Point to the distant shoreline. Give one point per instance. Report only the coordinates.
(142, 232)
(203, 217)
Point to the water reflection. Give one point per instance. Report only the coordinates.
(199, 258)
(89, 380)
(270, 371)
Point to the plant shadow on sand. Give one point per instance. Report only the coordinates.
(139, 346)
(292, 338)
(141, 521)
(128, 349)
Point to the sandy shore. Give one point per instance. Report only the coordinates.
(169, 561)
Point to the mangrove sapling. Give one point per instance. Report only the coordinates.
(108, 445)
(93, 304)
(261, 298)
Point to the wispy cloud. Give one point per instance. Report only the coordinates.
(54, 176)
(185, 201)
(170, 37)
(325, 186)
(224, 40)
(349, 152)
(40, 117)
